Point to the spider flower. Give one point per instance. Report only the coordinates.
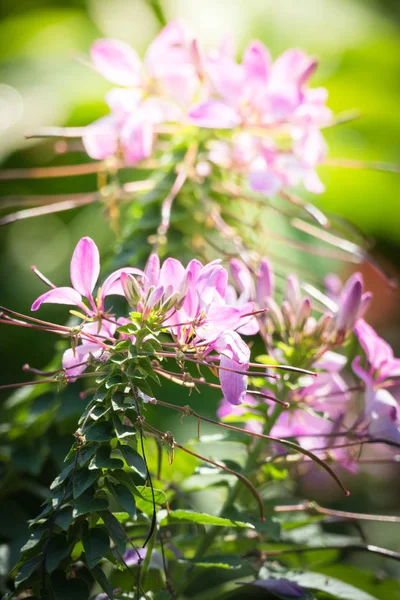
(84, 271)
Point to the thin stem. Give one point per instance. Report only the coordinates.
(314, 508)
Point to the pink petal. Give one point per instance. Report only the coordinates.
(117, 62)
(151, 272)
(72, 361)
(295, 66)
(263, 179)
(112, 285)
(214, 115)
(85, 266)
(234, 385)
(172, 273)
(61, 295)
(100, 138)
(137, 141)
(256, 62)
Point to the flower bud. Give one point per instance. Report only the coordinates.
(293, 292)
(274, 315)
(288, 316)
(349, 304)
(265, 283)
(131, 288)
(242, 277)
(303, 313)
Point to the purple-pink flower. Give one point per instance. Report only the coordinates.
(84, 272)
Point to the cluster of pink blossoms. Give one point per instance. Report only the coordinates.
(190, 303)
(322, 413)
(264, 121)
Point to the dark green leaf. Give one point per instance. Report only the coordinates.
(96, 544)
(134, 460)
(87, 503)
(114, 381)
(123, 431)
(34, 538)
(98, 411)
(82, 480)
(102, 580)
(86, 454)
(115, 530)
(27, 569)
(62, 476)
(99, 432)
(68, 589)
(64, 517)
(125, 498)
(57, 549)
(102, 460)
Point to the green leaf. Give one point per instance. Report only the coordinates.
(68, 589)
(102, 460)
(114, 381)
(217, 562)
(64, 517)
(87, 503)
(99, 411)
(201, 519)
(27, 569)
(121, 430)
(103, 582)
(125, 498)
(62, 476)
(144, 502)
(134, 460)
(34, 538)
(99, 432)
(96, 544)
(57, 549)
(323, 583)
(86, 454)
(115, 530)
(83, 479)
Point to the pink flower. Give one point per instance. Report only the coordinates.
(353, 304)
(85, 270)
(382, 410)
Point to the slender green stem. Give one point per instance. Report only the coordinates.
(158, 12)
(146, 563)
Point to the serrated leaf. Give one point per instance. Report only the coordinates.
(115, 531)
(125, 498)
(96, 544)
(57, 549)
(134, 460)
(103, 460)
(201, 519)
(87, 503)
(103, 582)
(99, 432)
(82, 480)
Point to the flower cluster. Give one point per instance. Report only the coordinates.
(258, 118)
(297, 330)
(188, 303)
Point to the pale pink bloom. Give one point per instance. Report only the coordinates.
(85, 270)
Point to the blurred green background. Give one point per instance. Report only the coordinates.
(43, 84)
